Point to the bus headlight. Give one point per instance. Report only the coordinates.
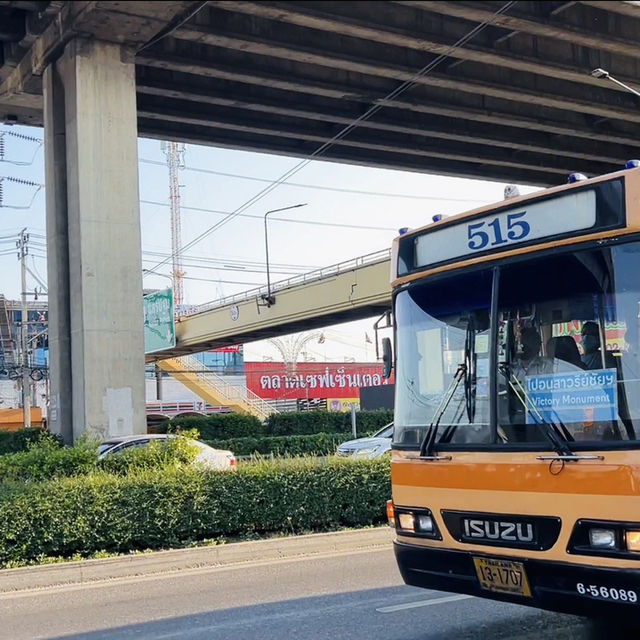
(632, 538)
(416, 522)
(605, 538)
(425, 524)
(407, 522)
(602, 538)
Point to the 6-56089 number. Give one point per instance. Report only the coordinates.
(607, 593)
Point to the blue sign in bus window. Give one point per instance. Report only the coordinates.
(572, 397)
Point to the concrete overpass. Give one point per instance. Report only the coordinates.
(479, 89)
(515, 102)
(351, 290)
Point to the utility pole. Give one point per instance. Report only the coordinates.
(175, 161)
(23, 250)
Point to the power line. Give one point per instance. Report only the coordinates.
(314, 186)
(206, 267)
(236, 263)
(232, 261)
(258, 217)
(234, 269)
(174, 24)
(217, 281)
(347, 129)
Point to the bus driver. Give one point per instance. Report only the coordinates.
(592, 354)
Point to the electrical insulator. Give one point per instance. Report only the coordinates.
(28, 183)
(22, 136)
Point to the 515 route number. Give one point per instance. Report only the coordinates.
(498, 231)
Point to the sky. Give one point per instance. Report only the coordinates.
(349, 211)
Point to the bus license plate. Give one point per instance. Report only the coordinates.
(503, 576)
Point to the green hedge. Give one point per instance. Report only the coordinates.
(225, 426)
(14, 441)
(218, 426)
(316, 444)
(169, 454)
(45, 460)
(161, 509)
(306, 422)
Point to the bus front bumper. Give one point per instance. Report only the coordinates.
(557, 586)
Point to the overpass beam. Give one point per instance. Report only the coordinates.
(93, 242)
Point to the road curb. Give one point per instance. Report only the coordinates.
(157, 562)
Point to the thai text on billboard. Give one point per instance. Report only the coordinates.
(274, 380)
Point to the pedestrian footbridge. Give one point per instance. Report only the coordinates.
(351, 290)
(214, 389)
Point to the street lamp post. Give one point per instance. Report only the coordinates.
(605, 75)
(269, 299)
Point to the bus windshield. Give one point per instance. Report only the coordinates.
(561, 354)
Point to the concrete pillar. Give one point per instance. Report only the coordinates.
(93, 240)
(59, 419)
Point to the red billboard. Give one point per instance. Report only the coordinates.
(271, 380)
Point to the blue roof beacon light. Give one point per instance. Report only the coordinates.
(576, 177)
(403, 230)
(438, 217)
(631, 164)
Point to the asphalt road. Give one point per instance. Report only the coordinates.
(353, 594)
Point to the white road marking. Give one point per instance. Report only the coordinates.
(422, 603)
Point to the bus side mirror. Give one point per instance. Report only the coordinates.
(387, 358)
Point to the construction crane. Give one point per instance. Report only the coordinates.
(174, 152)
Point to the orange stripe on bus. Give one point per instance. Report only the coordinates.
(537, 476)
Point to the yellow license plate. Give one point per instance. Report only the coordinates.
(503, 576)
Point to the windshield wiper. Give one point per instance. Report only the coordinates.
(558, 436)
(469, 377)
(426, 447)
(470, 370)
(551, 432)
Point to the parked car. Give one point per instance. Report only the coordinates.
(376, 445)
(207, 456)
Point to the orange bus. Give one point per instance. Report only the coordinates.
(516, 449)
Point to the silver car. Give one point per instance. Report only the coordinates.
(376, 445)
(207, 456)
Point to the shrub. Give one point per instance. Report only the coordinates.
(46, 460)
(225, 426)
(370, 421)
(306, 422)
(217, 426)
(317, 444)
(159, 509)
(14, 441)
(165, 454)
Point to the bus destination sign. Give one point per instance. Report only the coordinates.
(500, 231)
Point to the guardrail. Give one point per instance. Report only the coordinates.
(184, 406)
(311, 276)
